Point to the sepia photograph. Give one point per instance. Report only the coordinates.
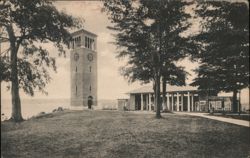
(124, 79)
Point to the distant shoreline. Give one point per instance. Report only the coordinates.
(34, 106)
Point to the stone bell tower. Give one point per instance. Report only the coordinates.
(83, 67)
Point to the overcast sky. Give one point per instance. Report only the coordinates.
(111, 85)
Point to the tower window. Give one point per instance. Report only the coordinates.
(90, 88)
(89, 43)
(93, 44)
(73, 44)
(78, 41)
(86, 45)
(90, 69)
(76, 90)
(76, 68)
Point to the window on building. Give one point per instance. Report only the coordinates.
(90, 69)
(76, 68)
(76, 90)
(86, 45)
(93, 44)
(73, 44)
(89, 43)
(90, 88)
(78, 41)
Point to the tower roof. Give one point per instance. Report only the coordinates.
(83, 31)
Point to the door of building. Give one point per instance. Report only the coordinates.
(90, 102)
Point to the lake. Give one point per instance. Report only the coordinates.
(31, 107)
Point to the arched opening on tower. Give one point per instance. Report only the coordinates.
(90, 101)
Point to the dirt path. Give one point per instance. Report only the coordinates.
(228, 120)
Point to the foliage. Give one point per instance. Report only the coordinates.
(36, 23)
(29, 25)
(224, 45)
(4, 69)
(225, 39)
(142, 42)
(150, 35)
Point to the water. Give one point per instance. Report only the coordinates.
(32, 107)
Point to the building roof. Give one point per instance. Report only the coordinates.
(149, 89)
(83, 31)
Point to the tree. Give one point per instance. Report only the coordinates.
(224, 45)
(207, 79)
(30, 24)
(4, 74)
(4, 66)
(152, 49)
(172, 75)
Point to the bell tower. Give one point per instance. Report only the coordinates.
(83, 67)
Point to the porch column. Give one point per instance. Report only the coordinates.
(172, 108)
(182, 100)
(188, 100)
(192, 102)
(168, 103)
(177, 103)
(149, 95)
(141, 101)
(162, 103)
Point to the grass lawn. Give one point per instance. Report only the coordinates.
(108, 134)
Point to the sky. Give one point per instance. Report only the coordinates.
(111, 85)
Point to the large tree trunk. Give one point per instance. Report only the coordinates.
(157, 61)
(0, 96)
(16, 104)
(154, 96)
(235, 105)
(157, 96)
(164, 83)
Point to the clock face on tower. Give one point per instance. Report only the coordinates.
(76, 56)
(90, 57)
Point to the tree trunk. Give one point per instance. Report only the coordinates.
(16, 104)
(1, 96)
(154, 96)
(157, 96)
(235, 105)
(164, 83)
(157, 61)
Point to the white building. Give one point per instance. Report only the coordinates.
(184, 98)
